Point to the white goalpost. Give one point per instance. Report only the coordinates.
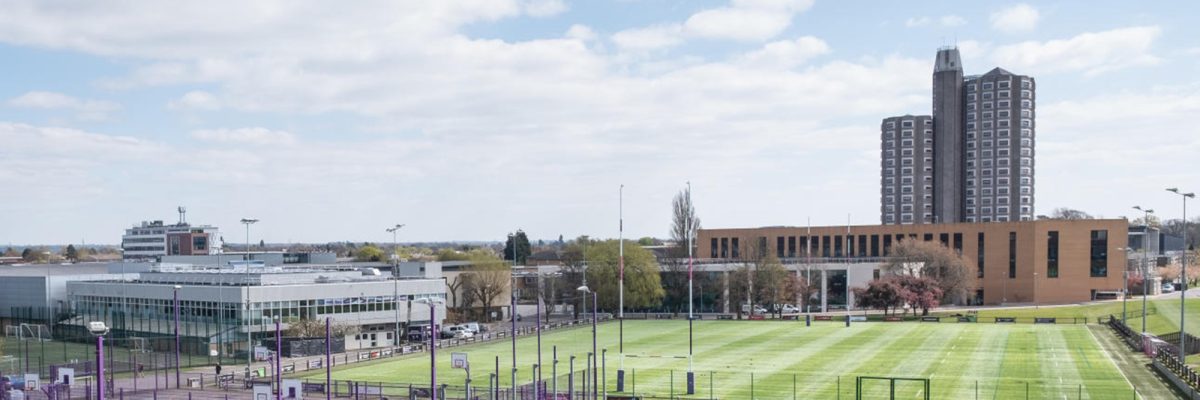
(37, 332)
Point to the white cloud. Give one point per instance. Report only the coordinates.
(543, 8)
(1123, 138)
(1018, 18)
(1092, 53)
(86, 109)
(195, 100)
(948, 21)
(786, 53)
(952, 20)
(255, 136)
(738, 23)
(742, 20)
(914, 22)
(387, 112)
(649, 38)
(581, 33)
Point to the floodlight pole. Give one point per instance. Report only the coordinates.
(1183, 278)
(278, 360)
(395, 281)
(176, 296)
(249, 327)
(328, 362)
(99, 367)
(1145, 268)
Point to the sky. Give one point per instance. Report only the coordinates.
(466, 120)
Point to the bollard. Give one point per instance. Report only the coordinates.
(189, 395)
(807, 319)
(121, 394)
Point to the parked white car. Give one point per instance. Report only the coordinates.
(1168, 287)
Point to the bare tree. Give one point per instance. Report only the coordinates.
(684, 224)
(486, 282)
(454, 288)
(309, 328)
(1069, 214)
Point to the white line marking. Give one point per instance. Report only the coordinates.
(1110, 359)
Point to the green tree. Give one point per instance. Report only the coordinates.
(27, 255)
(642, 285)
(523, 249)
(368, 253)
(647, 241)
(448, 254)
(70, 253)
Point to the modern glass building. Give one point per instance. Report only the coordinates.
(221, 309)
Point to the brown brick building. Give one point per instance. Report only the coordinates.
(1043, 262)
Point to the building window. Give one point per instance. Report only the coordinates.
(737, 248)
(779, 246)
(791, 244)
(958, 243)
(1012, 255)
(1099, 253)
(1052, 255)
(979, 255)
(724, 247)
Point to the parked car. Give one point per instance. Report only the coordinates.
(451, 331)
(417, 333)
(787, 308)
(757, 309)
(463, 334)
(473, 327)
(1168, 287)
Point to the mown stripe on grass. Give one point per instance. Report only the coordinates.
(976, 353)
(799, 361)
(852, 355)
(1060, 374)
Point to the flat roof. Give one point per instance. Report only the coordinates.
(54, 269)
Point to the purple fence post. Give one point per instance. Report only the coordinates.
(122, 394)
(100, 367)
(328, 361)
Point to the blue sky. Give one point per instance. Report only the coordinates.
(468, 119)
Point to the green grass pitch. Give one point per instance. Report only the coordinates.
(995, 361)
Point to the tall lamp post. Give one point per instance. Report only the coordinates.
(395, 282)
(1145, 267)
(585, 290)
(433, 344)
(691, 237)
(1183, 276)
(176, 292)
(621, 271)
(249, 334)
(99, 329)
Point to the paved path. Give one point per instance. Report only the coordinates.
(1134, 365)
